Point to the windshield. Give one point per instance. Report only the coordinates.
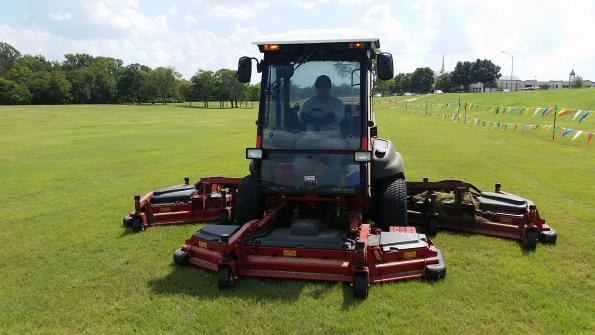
(313, 105)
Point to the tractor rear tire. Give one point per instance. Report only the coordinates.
(360, 286)
(531, 239)
(225, 277)
(248, 203)
(391, 202)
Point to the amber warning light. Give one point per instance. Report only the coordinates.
(271, 47)
(356, 45)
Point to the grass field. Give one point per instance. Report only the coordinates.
(482, 107)
(68, 174)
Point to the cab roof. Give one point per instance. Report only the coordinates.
(319, 37)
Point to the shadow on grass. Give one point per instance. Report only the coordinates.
(202, 284)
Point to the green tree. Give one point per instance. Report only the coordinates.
(422, 80)
(578, 82)
(8, 54)
(384, 87)
(444, 82)
(82, 82)
(404, 80)
(163, 80)
(462, 76)
(12, 93)
(203, 83)
(186, 91)
(253, 93)
(49, 88)
(485, 72)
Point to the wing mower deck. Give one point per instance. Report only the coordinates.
(459, 205)
(210, 199)
(308, 250)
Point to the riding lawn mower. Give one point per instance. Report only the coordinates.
(326, 198)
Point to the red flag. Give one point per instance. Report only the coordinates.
(589, 137)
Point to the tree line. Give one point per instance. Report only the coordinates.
(82, 78)
(423, 80)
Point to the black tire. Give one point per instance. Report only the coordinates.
(248, 203)
(127, 221)
(531, 239)
(225, 277)
(137, 224)
(432, 226)
(181, 257)
(360, 286)
(391, 202)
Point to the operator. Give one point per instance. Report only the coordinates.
(322, 115)
(322, 112)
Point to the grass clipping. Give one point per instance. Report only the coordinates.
(449, 198)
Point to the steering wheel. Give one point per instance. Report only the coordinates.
(318, 121)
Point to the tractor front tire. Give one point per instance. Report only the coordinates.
(391, 202)
(248, 203)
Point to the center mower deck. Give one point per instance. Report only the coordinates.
(308, 250)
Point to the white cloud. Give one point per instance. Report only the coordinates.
(58, 16)
(232, 10)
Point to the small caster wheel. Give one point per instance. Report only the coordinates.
(137, 224)
(432, 226)
(531, 239)
(181, 257)
(127, 222)
(360, 286)
(225, 277)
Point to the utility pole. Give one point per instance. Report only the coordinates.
(511, 67)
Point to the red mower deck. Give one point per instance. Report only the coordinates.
(210, 199)
(363, 256)
(470, 210)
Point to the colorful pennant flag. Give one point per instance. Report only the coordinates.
(589, 137)
(564, 111)
(578, 112)
(583, 117)
(578, 133)
(566, 132)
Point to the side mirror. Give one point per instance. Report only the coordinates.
(384, 66)
(244, 69)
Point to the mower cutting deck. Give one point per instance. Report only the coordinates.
(461, 206)
(309, 250)
(210, 199)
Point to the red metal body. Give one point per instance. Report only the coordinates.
(313, 264)
(212, 201)
(468, 217)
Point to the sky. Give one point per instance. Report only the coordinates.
(546, 38)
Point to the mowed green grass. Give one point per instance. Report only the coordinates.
(484, 108)
(68, 174)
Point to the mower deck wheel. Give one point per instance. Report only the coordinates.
(360, 286)
(530, 242)
(127, 221)
(225, 277)
(181, 257)
(432, 226)
(137, 224)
